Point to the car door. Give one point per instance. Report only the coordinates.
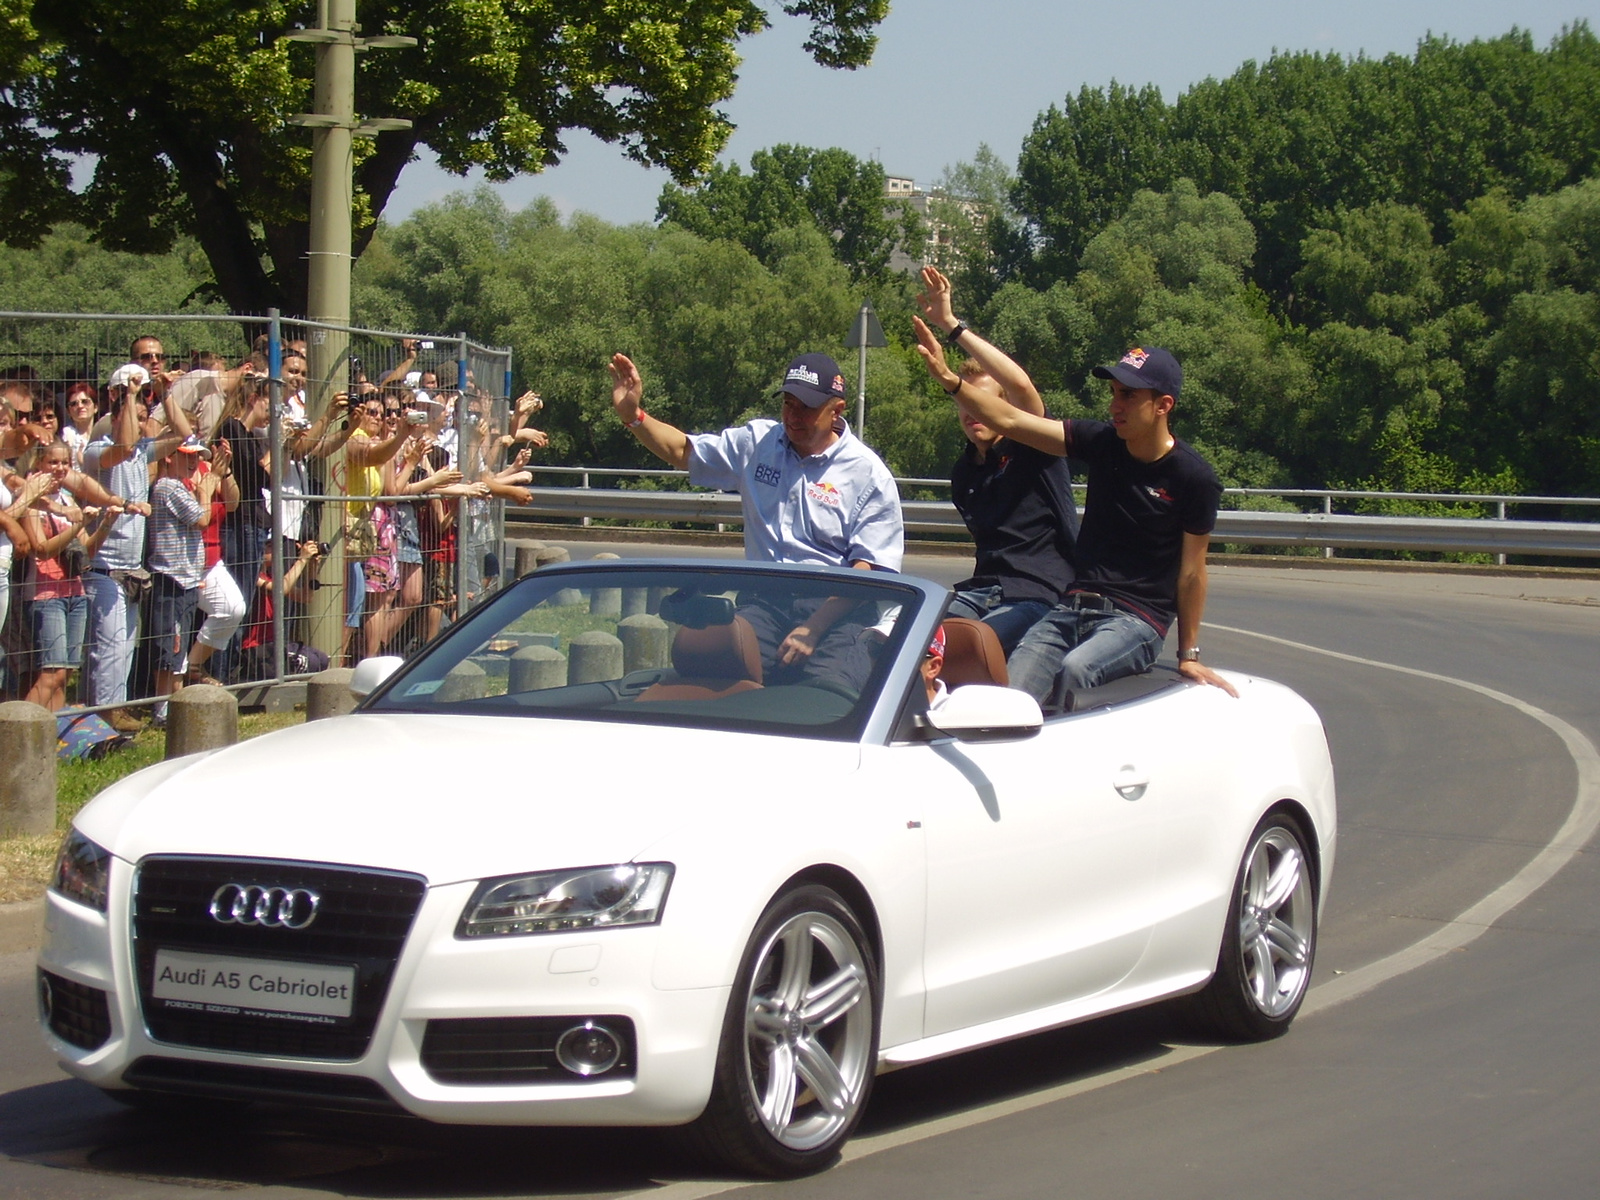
(1043, 858)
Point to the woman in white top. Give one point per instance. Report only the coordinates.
(81, 405)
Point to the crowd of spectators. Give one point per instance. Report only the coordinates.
(136, 519)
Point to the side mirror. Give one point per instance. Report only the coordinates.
(370, 674)
(981, 712)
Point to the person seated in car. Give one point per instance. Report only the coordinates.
(1016, 500)
(932, 665)
(1147, 521)
(811, 492)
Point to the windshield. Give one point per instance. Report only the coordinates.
(747, 648)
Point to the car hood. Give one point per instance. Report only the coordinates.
(454, 797)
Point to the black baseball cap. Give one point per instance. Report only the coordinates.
(1140, 368)
(813, 379)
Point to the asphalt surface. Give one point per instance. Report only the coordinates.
(1448, 1047)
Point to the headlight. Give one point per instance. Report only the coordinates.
(82, 869)
(556, 901)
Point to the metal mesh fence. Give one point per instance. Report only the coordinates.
(238, 499)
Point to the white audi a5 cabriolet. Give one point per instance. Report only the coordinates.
(598, 856)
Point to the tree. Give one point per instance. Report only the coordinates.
(197, 142)
(831, 190)
(1082, 164)
(983, 241)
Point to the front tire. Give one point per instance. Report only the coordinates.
(1269, 941)
(799, 1043)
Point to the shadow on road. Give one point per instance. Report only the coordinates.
(71, 1126)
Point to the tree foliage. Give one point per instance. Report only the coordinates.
(1304, 134)
(789, 187)
(183, 107)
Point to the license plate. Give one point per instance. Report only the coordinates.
(253, 986)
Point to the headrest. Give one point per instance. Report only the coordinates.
(717, 652)
(972, 654)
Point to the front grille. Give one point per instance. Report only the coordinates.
(503, 1050)
(362, 921)
(77, 1014)
(270, 1084)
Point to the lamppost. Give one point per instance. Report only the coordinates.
(865, 331)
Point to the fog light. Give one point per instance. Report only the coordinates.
(47, 999)
(588, 1049)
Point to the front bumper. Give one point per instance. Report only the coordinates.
(437, 978)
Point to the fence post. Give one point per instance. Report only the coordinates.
(1327, 510)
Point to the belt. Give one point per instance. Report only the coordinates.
(1092, 601)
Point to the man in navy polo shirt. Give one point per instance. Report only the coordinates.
(1141, 550)
(811, 491)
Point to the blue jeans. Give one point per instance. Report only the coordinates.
(58, 625)
(1072, 649)
(113, 627)
(1009, 619)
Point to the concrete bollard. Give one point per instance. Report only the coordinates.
(201, 717)
(535, 668)
(328, 694)
(656, 595)
(27, 768)
(528, 557)
(644, 643)
(605, 601)
(635, 601)
(546, 555)
(465, 681)
(594, 656)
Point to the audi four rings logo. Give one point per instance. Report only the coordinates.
(270, 907)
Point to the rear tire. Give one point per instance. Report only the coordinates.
(799, 1044)
(1269, 942)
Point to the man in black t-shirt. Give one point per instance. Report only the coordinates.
(1141, 551)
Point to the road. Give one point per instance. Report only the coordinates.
(1447, 1049)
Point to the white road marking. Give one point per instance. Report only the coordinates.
(1579, 827)
(1466, 928)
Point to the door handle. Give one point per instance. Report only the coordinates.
(1130, 782)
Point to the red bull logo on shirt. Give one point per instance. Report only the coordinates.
(825, 493)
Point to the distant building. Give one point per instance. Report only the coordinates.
(939, 247)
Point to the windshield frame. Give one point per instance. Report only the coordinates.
(871, 719)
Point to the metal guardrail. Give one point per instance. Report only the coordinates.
(1462, 535)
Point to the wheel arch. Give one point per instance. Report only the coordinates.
(852, 891)
(1302, 817)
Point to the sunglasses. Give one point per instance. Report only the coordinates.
(152, 355)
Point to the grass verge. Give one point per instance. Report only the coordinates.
(26, 862)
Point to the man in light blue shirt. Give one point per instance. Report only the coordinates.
(811, 491)
(120, 462)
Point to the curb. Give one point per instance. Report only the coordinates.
(21, 926)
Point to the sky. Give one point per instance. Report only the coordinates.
(951, 75)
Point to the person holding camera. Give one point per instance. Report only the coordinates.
(221, 603)
(298, 581)
(177, 560)
(116, 579)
